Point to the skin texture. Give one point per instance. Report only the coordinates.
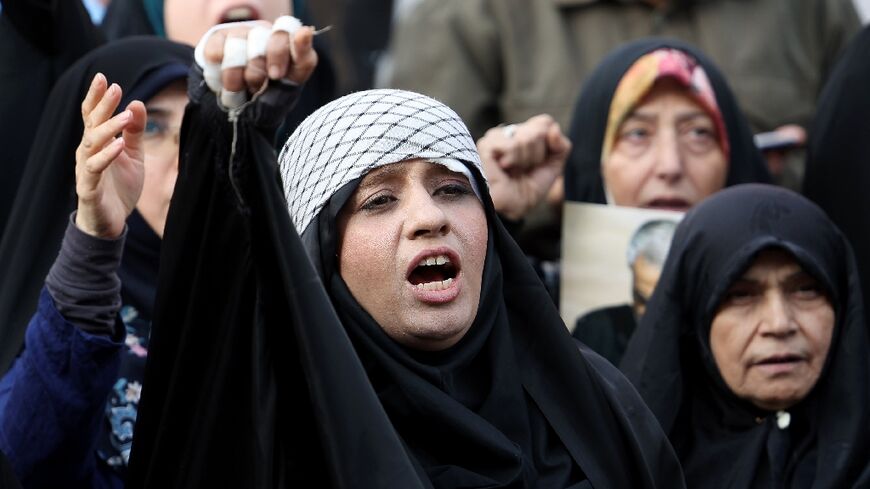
(187, 20)
(398, 212)
(165, 112)
(645, 276)
(775, 310)
(666, 154)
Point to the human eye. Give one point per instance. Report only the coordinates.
(635, 134)
(740, 294)
(807, 288)
(700, 136)
(377, 202)
(454, 190)
(155, 127)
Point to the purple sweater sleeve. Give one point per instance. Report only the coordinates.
(84, 281)
(52, 401)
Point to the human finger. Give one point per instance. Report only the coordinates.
(97, 163)
(255, 71)
(233, 62)
(304, 57)
(95, 138)
(558, 145)
(278, 54)
(105, 107)
(134, 130)
(95, 93)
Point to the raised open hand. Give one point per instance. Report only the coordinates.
(110, 170)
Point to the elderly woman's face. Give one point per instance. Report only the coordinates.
(666, 154)
(412, 247)
(771, 334)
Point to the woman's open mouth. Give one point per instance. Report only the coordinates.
(434, 276)
(671, 204)
(239, 13)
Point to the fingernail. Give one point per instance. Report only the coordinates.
(274, 72)
(114, 88)
(125, 115)
(118, 142)
(96, 79)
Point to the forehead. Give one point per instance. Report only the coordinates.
(773, 260)
(171, 98)
(409, 169)
(667, 93)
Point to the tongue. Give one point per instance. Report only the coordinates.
(422, 275)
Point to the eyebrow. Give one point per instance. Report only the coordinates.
(797, 274)
(384, 173)
(683, 117)
(158, 111)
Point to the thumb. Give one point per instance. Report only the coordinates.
(134, 131)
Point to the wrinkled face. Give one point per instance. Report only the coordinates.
(645, 276)
(413, 240)
(187, 20)
(771, 334)
(165, 111)
(666, 154)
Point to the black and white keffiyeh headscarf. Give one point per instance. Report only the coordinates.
(365, 130)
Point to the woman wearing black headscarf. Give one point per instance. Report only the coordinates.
(452, 332)
(597, 115)
(458, 336)
(837, 171)
(753, 352)
(80, 427)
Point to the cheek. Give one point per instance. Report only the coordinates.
(708, 172)
(366, 260)
(624, 178)
(819, 330)
(728, 343)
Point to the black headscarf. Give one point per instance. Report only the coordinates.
(838, 160)
(250, 381)
(583, 182)
(39, 40)
(724, 441)
(47, 192)
(513, 403)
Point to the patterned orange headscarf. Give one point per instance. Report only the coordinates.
(639, 80)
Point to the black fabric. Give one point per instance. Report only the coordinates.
(494, 409)
(606, 330)
(838, 159)
(8, 480)
(47, 191)
(251, 381)
(588, 125)
(39, 39)
(128, 18)
(724, 441)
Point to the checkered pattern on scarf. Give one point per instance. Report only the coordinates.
(348, 137)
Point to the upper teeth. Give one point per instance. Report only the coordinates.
(239, 13)
(434, 260)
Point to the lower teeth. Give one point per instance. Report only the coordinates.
(443, 284)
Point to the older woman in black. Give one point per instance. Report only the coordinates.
(753, 352)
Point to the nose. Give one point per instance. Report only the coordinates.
(425, 217)
(777, 319)
(669, 164)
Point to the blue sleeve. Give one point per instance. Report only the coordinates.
(53, 398)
